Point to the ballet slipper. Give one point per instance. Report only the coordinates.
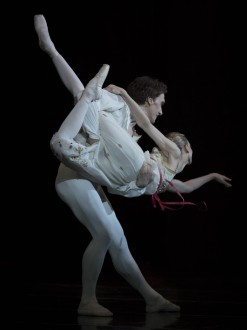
(93, 90)
(93, 309)
(162, 305)
(45, 42)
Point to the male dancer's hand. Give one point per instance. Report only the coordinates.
(145, 175)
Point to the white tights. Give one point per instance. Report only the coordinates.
(107, 235)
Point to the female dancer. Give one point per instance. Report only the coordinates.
(111, 156)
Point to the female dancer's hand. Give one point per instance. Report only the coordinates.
(222, 179)
(116, 90)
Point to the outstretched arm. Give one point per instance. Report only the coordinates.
(193, 184)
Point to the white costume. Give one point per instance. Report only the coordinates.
(115, 159)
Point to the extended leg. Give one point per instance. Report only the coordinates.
(107, 234)
(127, 267)
(67, 75)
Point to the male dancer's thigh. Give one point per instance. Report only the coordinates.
(83, 199)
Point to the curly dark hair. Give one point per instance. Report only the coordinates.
(143, 87)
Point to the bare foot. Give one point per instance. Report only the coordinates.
(93, 309)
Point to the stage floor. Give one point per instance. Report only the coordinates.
(206, 303)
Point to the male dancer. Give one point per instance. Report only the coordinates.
(89, 203)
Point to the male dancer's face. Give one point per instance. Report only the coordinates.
(153, 107)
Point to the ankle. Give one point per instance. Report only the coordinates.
(45, 42)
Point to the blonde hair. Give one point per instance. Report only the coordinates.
(178, 138)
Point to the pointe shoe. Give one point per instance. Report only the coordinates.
(41, 29)
(93, 90)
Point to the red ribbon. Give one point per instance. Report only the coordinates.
(165, 205)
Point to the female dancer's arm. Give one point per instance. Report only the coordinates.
(193, 184)
(163, 143)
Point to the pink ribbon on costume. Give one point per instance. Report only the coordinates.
(164, 205)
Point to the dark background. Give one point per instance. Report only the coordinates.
(197, 48)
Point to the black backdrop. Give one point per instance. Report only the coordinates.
(197, 49)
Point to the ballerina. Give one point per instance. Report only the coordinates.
(112, 158)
